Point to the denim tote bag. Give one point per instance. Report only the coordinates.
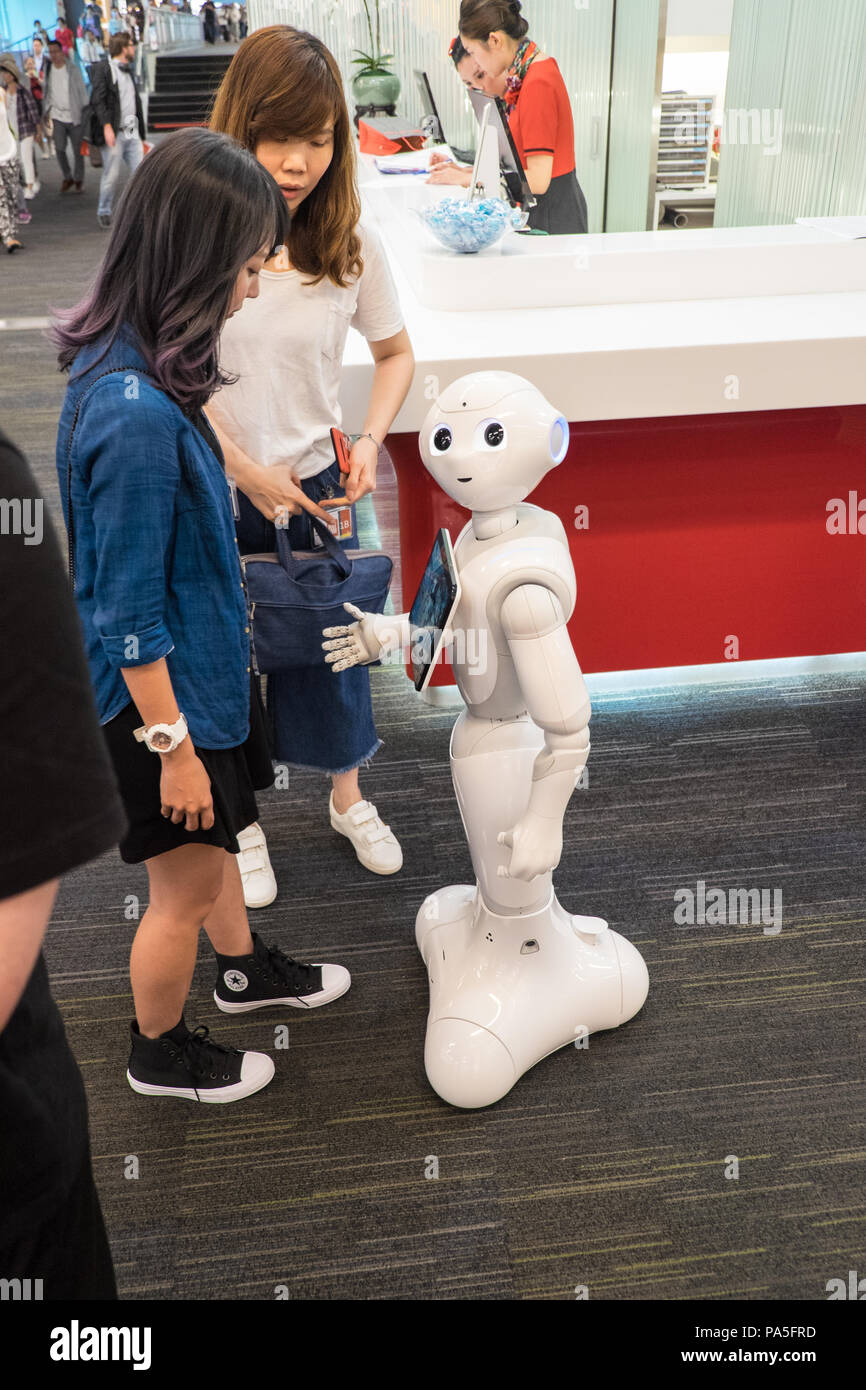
(295, 594)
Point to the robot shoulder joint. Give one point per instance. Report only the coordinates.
(531, 610)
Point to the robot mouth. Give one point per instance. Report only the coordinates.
(464, 480)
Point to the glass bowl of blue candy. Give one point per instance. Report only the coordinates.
(461, 225)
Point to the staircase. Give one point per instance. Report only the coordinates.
(185, 85)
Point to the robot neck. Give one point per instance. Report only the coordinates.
(487, 524)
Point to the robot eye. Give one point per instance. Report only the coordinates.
(490, 434)
(441, 439)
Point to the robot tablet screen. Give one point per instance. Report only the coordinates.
(431, 612)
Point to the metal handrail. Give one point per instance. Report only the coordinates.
(26, 42)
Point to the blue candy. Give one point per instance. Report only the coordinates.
(466, 226)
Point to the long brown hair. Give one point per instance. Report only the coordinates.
(283, 83)
(195, 210)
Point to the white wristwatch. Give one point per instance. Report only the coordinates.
(163, 738)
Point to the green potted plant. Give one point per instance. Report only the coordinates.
(374, 84)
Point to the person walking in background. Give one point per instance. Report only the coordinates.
(51, 1226)
(31, 72)
(162, 599)
(93, 22)
(63, 107)
(208, 11)
(66, 37)
(117, 106)
(10, 176)
(40, 59)
(23, 115)
(282, 97)
(135, 13)
(35, 69)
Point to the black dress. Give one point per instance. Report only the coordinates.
(235, 773)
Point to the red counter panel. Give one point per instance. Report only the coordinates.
(702, 528)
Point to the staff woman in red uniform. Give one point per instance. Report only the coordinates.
(495, 34)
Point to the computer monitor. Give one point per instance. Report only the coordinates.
(519, 192)
(429, 107)
(431, 121)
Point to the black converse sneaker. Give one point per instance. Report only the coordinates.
(192, 1066)
(269, 977)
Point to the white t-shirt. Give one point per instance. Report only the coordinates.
(61, 109)
(286, 348)
(8, 148)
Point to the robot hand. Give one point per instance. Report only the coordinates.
(373, 636)
(536, 846)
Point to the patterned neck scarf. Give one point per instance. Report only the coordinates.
(516, 73)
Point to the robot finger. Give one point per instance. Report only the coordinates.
(355, 612)
(502, 872)
(336, 631)
(338, 644)
(505, 837)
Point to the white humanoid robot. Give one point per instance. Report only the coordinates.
(513, 976)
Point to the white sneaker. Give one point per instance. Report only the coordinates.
(376, 847)
(32, 189)
(257, 876)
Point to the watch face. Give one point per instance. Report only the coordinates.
(161, 742)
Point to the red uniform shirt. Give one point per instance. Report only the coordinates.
(541, 121)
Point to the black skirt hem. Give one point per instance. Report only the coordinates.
(235, 775)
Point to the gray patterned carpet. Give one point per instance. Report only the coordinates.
(605, 1168)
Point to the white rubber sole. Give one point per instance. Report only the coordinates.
(374, 869)
(264, 902)
(223, 1096)
(333, 991)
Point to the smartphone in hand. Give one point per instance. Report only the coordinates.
(342, 446)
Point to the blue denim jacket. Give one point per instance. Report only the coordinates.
(157, 567)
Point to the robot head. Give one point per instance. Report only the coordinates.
(490, 438)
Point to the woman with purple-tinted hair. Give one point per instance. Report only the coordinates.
(161, 595)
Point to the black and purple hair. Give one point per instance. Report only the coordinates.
(196, 209)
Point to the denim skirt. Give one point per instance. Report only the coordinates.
(320, 720)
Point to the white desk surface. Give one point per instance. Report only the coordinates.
(628, 361)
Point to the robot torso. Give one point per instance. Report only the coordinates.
(535, 551)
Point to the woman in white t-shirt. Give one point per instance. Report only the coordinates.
(282, 97)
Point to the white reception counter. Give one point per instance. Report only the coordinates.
(715, 386)
(625, 325)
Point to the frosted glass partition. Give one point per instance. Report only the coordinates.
(634, 113)
(795, 112)
(577, 33)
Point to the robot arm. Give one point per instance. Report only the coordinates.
(557, 700)
(373, 636)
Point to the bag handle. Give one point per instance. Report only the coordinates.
(329, 542)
